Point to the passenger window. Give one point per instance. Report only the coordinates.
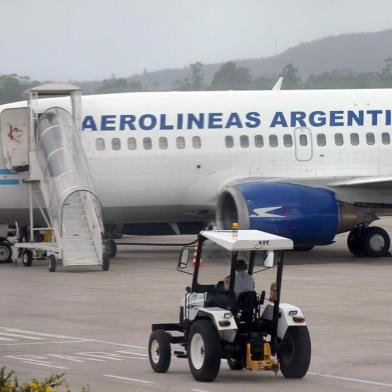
(354, 139)
(339, 139)
(370, 138)
(196, 142)
(163, 143)
(180, 142)
(244, 141)
(259, 141)
(273, 141)
(147, 143)
(287, 140)
(386, 138)
(229, 141)
(100, 144)
(116, 144)
(132, 143)
(303, 140)
(321, 141)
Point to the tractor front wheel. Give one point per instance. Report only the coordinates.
(159, 351)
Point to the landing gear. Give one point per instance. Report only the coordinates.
(111, 247)
(105, 262)
(369, 242)
(5, 251)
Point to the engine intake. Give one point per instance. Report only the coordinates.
(307, 215)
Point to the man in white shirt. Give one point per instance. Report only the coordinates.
(243, 281)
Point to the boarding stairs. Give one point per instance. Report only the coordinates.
(58, 172)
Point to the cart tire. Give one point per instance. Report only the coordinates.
(5, 253)
(159, 351)
(27, 258)
(295, 352)
(52, 263)
(235, 364)
(204, 350)
(112, 248)
(105, 262)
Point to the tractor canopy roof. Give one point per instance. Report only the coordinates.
(242, 240)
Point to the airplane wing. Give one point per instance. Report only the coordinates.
(365, 182)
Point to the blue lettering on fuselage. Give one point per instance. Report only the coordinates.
(236, 120)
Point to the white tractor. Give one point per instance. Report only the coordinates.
(245, 329)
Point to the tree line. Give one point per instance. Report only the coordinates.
(229, 76)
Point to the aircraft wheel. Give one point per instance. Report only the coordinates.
(105, 263)
(375, 242)
(204, 350)
(112, 248)
(354, 242)
(52, 263)
(5, 253)
(27, 258)
(159, 351)
(295, 352)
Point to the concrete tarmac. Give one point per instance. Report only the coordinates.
(94, 325)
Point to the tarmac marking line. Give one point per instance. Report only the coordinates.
(70, 337)
(48, 335)
(46, 365)
(15, 335)
(352, 379)
(118, 344)
(129, 379)
(199, 390)
(62, 342)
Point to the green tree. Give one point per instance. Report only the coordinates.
(386, 73)
(120, 85)
(264, 82)
(12, 87)
(193, 83)
(291, 78)
(231, 77)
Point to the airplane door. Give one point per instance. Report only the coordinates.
(14, 138)
(303, 144)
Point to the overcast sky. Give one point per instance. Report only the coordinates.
(92, 39)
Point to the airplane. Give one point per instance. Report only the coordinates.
(303, 164)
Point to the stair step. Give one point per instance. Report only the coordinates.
(85, 261)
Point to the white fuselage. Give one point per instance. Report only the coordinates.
(165, 157)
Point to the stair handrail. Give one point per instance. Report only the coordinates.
(63, 164)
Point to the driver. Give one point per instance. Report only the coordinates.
(243, 281)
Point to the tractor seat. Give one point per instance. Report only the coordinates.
(219, 300)
(245, 307)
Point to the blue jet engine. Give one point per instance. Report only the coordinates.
(307, 215)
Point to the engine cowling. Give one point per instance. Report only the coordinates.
(307, 215)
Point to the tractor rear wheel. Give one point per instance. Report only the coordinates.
(204, 350)
(295, 352)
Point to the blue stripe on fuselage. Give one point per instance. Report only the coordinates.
(9, 182)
